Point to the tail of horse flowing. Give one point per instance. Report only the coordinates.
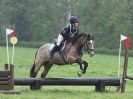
(32, 70)
(33, 67)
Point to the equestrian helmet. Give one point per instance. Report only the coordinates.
(73, 20)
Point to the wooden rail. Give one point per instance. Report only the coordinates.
(36, 83)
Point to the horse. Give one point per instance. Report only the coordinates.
(72, 53)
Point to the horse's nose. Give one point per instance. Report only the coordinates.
(91, 53)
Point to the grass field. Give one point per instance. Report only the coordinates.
(99, 66)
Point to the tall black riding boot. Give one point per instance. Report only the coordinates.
(55, 48)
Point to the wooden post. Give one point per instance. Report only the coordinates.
(6, 66)
(12, 76)
(100, 86)
(10, 67)
(7, 80)
(123, 85)
(36, 85)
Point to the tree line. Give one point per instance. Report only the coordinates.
(42, 20)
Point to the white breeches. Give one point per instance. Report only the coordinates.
(59, 40)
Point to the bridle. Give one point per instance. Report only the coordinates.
(86, 45)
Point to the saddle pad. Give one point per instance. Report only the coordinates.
(62, 53)
(50, 47)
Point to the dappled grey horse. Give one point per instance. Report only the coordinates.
(72, 53)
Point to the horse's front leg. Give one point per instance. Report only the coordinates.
(83, 66)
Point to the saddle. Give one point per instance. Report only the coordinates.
(61, 50)
(61, 47)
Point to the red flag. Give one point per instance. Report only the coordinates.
(128, 41)
(13, 33)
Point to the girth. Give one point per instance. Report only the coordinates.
(63, 55)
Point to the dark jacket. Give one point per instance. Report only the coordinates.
(69, 31)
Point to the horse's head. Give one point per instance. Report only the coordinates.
(84, 41)
(89, 42)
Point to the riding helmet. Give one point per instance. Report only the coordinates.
(73, 20)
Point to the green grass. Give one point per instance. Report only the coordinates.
(99, 66)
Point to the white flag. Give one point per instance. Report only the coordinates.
(9, 31)
(123, 37)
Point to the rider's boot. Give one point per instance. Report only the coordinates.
(55, 48)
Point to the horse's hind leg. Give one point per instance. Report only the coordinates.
(47, 67)
(34, 70)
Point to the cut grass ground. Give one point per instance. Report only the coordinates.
(99, 66)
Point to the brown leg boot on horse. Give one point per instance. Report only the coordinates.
(55, 49)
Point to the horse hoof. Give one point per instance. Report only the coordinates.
(79, 74)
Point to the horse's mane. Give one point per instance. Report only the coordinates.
(76, 37)
(80, 35)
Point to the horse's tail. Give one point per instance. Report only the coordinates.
(32, 73)
(32, 70)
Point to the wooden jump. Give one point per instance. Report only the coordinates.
(7, 81)
(6, 78)
(36, 83)
(125, 75)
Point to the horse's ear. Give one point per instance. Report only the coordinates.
(91, 37)
(88, 35)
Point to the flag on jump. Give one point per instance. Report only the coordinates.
(13, 33)
(13, 41)
(123, 38)
(128, 41)
(9, 31)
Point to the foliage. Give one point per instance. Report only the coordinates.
(42, 20)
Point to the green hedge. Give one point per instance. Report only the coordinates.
(97, 49)
(30, 44)
(112, 51)
(25, 44)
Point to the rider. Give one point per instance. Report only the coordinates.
(69, 31)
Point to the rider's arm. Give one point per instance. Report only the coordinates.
(65, 32)
(77, 31)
